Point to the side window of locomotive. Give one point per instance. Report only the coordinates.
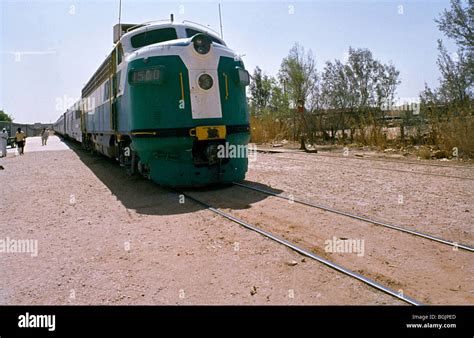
(154, 36)
(119, 54)
(191, 32)
(107, 90)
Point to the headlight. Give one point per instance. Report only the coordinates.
(145, 76)
(205, 81)
(242, 76)
(201, 43)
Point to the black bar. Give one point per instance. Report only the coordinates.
(310, 321)
(180, 132)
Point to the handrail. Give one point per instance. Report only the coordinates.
(226, 86)
(198, 24)
(145, 23)
(184, 21)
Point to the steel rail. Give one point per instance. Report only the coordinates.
(301, 152)
(377, 168)
(361, 218)
(337, 267)
(454, 166)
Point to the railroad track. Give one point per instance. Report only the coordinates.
(360, 218)
(350, 273)
(304, 252)
(455, 166)
(378, 168)
(398, 161)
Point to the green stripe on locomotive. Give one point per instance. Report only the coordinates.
(156, 105)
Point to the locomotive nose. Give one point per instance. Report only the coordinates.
(201, 43)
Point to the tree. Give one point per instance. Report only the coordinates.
(336, 87)
(361, 73)
(299, 76)
(457, 70)
(260, 90)
(458, 22)
(336, 93)
(449, 107)
(4, 117)
(388, 79)
(279, 102)
(429, 96)
(353, 89)
(455, 81)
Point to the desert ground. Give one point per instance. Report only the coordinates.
(104, 237)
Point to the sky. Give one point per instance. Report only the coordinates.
(70, 39)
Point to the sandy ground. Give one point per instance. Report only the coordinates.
(415, 196)
(106, 238)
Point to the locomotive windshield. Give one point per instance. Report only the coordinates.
(190, 32)
(153, 36)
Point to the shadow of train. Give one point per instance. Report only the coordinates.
(146, 197)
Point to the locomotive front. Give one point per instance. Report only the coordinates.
(188, 114)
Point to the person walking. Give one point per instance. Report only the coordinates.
(44, 136)
(3, 142)
(20, 140)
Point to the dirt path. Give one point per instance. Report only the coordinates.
(427, 271)
(85, 213)
(106, 238)
(432, 204)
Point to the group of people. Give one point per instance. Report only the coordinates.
(20, 140)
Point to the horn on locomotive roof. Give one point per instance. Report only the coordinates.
(220, 21)
(120, 16)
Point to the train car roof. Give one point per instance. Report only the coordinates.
(125, 41)
(179, 26)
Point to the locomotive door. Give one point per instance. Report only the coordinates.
(82, 109)
(116, 59)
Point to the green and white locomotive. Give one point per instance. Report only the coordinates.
(165, 102)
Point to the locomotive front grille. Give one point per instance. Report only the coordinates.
(206, 153)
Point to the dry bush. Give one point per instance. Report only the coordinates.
(377, 137)
(267, 128)
(457, 132)
(369, 135)
(443, 133)
(424, 153)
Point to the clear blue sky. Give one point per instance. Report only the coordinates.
(77, 35)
